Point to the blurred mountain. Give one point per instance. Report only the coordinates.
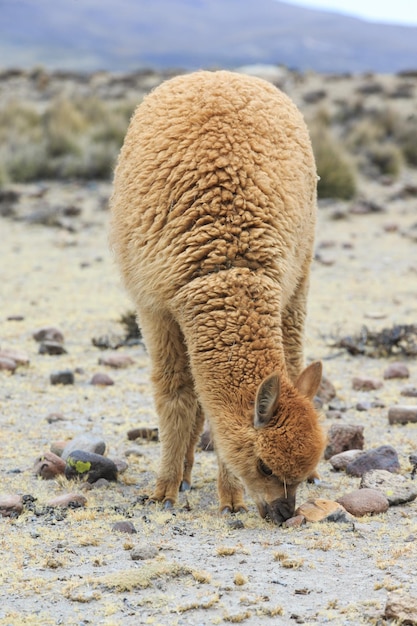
(124, 35)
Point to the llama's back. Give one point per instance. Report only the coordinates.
(216, 172)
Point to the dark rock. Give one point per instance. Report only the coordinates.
(366, 384)
(397, 489)
(363, 207)
(62, 377)
(206, 441)
(343, 437)
(85, 442)
(49, 333)
(366, 406)
(51, 418)
(11, 505)
(364, 502)
(49, 466)
(409, 391)
(124, 527)
(384, 457)
(89, 466)
(51, 347)
(150, 434)
(402, 414)
(101, 380)
(396, 370)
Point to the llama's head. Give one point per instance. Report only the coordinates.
(285, 443)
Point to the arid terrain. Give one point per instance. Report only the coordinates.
(191, 566)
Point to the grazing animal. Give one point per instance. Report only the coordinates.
(213, 215)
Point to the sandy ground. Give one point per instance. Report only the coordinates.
(72, 568)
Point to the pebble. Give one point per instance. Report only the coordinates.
(49, 333)
(62, 377)
(409, 391)
(117, 360)
(294, 522)
(384, 457)
(7, 364)
(400, 414)
(151, 434)
(396, 370)
(395, 487)
(319, 510)
(90, 466)
(20, 358)
(68, 500)
(206, 443)
(101, 379)
(402, 607)
(144, 552)
(341, 461)
(124, 527)
(51, 418)
(364, 501)
(121, 465)
(52, 348)
(366, 384)
(343, 437)
(366, 406)
(326, 391)
(85, 442)
(10, 505)
(49, 466)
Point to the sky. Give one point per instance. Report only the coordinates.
(392, 11)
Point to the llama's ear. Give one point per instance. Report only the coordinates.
(266, 402)
(309, 380)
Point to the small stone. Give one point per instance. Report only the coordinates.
(151, 434)
(121, 465)
(318, 510)
(102, 380)
(49, 466)
(62, 377)
(73, 500)
(384, 457)
(400, 414)
(57, 447)
(326, 391)
(364, 502)
(117, 360)
(409, 391)
(86, 442)
(144, 552)
(51, 418)
(294, 522)
(7, 364)
(124, 527)
(89, 466)
(20, 358)
(52, 348)
(49, 333)
(235, 524)
(366, 384)
(396, 370)
(343, 437)
(396, 488)
(206, 440)
(10, 505)
(402, 607)
(366, 406)
(341, 461)
(134, 451)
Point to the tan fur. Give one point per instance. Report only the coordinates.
(213, 216)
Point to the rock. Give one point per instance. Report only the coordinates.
(62, 377)
(402, 607)
(57, 447)
(85, 442)
(49, 333)
(7, 364)
(101, 380)
(396, 370)
(206, 440)
(20, 358)
(89, 466)
(151, 434)
(51, 418)
(409, 391)
(400, 414)
(341, 461)
(396, 488)
(49, 466)
(143, 552)
(319, 510)
(413, 461)
(384, 457)
(364, 502)
(366, 384)
(73, 500)
(343, 437)
(124, 527)
(326, 391)
(294, 522)
(116, 360)
(121, 465)
(366, 406)
(51, 347)
(10, 505)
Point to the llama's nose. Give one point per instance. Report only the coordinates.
(281, 509)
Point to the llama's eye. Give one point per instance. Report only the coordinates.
(264, 469)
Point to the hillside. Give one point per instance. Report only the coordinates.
(131, 34)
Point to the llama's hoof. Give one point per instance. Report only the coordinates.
(168, 505)
(226, 511)
(185, 486)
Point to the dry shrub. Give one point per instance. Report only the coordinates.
(335, 168)
(386, 159)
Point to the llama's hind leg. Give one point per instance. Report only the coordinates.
(189, 455)
(175, 401)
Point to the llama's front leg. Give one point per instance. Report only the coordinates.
(293, 320)
(175, 402)
(230, 491)
(190, 453)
